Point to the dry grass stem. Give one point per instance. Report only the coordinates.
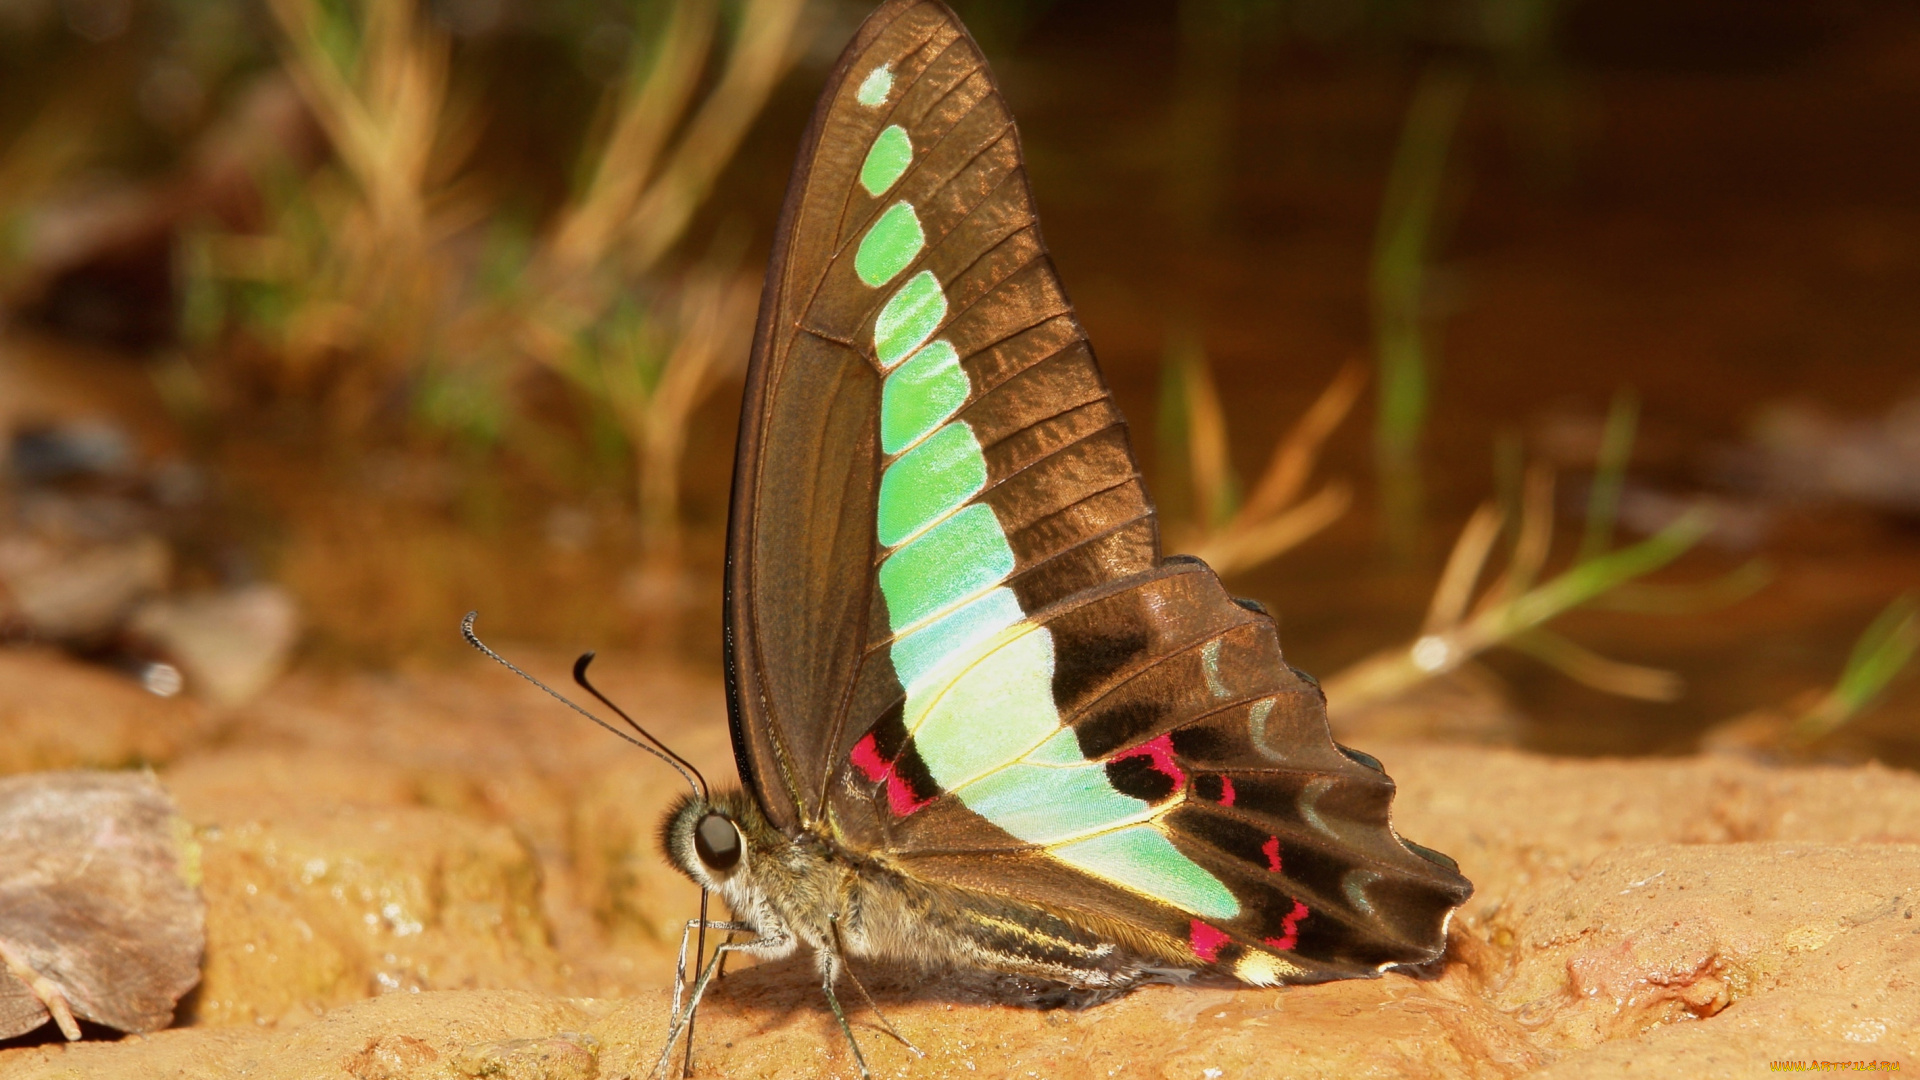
(1275, 519)
(1464, 564)
(715, 312)
(1254, 544)
(1587, 667)
(1208, 454)
(382, 112)
(1534, 542)
(766, 47)
(1513, 611)
(645, 118)
(1296, 454)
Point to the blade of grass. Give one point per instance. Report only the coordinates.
(1644, 598)
(1295, 455)
(1204, 424)
(765, 46)
(1393, 671)
(1610, 474)
(654, 99)
(1583, 665)
(1886, 647)
(1589, 579)
(1469, 558)
(1510, 480)
(1532, 543)
(1245, 548)
(1402, 251)
(1173, 438)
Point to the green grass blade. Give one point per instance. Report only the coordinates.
(1593, 577)
(1402, 250)
(1885, 648)
(1610, 474)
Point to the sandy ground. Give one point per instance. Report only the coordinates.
(442, 874)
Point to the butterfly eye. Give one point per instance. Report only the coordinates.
(717, 841)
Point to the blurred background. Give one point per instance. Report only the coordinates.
(1550, 368)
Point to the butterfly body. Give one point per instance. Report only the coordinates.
(982, 723)
(842, 905)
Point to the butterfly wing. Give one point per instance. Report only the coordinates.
(1180, 784)
(952, 642)
(908, 211)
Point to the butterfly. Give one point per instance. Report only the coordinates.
(981, 722)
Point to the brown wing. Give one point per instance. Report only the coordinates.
(806, 625)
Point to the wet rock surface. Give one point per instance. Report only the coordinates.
(444, 875)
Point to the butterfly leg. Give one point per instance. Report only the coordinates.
(886, 1024)
(686, 934)
(684, 1021)
(833, 1002)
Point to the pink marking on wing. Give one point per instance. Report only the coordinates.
(900, 798)
(1226, 791)
(1289, 929)
(866, 758)
(1161, 751)
(1271, 849)
(1207, 940)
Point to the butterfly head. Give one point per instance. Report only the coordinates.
(714, 841)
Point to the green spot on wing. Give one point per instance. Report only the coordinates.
(920, 395)
(909, 318)
(996, 708)
(1044, 805)
(1141, 858)
(930, 481)
(1061, 748)
(876, 86)
(889, 246)
(958, 632)
(887, 160)
(958, 558)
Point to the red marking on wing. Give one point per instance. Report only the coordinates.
(866, 758)
(1207, 940)
(1271, 849)
(1289, 929)
(1161, 751)
(1226, 791)
(900, 798)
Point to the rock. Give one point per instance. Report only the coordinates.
(396, 1037)
(58, 713)
(1696, 916)
(1801, 451)
(85, 447)
(1514, 819)
(100, 911)
(229, 645)
(1648, 938)
(310, 908)
(568, 1055)
(62, 593)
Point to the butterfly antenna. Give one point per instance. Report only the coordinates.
(685, 766)
(652, 745)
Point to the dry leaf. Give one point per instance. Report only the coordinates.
(100, 909)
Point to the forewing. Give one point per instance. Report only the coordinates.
(925, 429)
